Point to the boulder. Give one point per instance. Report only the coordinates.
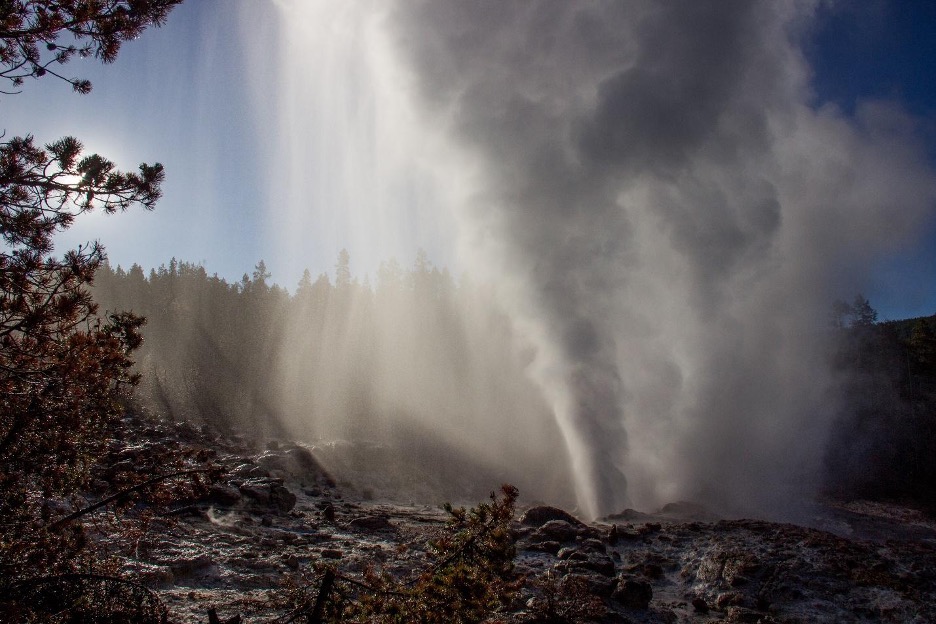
(595, 584)
(223, 494)
(297, 461)
(538, 516)
(633, 594)
(700, 605)
(259, 492)
(593, 545)
(571, 553)
(602, 564)
(618, 533)
(269, 493)
(729, 599)
(274, 461)
(304, 459)
(281, 498)
(556, 531)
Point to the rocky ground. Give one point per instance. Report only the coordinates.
(277, 511)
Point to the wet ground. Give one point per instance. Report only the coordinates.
(278, 512)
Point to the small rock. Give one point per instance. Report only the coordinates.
(332, 553)
(258, 492)
(633, 594)
(700, 605)
(281, 498)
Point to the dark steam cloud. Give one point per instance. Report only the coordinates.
(671, 218)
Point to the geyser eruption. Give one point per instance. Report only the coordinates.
(668, 215)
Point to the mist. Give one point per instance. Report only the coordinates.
(663, 210)
(400, 384)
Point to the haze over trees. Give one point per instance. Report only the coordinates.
(415, 358)
(418, 352)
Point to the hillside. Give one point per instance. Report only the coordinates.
(276, 521)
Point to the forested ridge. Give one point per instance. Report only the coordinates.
(883, 445)
(250, 356)
(415, 360)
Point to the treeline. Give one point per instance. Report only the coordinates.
(883, 445)
(414, 358)
(418, 358)
(207, 348)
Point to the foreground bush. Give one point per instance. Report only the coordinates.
(469, 578)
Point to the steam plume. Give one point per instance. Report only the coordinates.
(669, 215)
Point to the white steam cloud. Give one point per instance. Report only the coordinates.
(669, 216)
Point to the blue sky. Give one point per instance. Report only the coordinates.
(191, 95)
(885, 49)
(174, 96)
